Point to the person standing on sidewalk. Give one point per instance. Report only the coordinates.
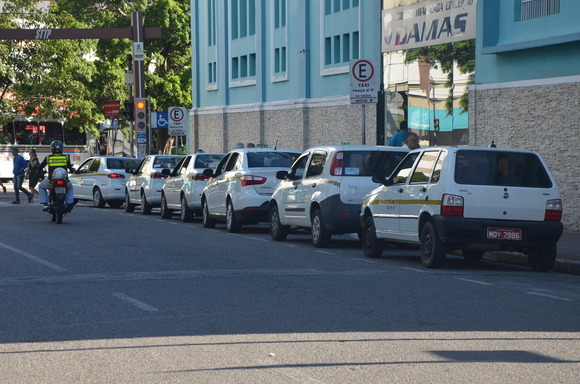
(19, 171)
(34, 173)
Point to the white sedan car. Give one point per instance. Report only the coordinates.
(241, 186)
(182, 190)
(144, 186)
(102, 179)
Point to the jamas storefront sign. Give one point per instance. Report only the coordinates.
(428, 23)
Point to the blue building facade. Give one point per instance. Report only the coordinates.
(276, 72)
(527, 86)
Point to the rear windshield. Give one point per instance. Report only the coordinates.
(122, 163)
(271, 159)
(499, 168)
(207, 161)
(369, 163)
(166, 162)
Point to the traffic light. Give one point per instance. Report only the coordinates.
(140, 110)
(436, 124)
(128, 111)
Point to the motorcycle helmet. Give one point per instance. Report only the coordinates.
(59, 174)
(56, 147)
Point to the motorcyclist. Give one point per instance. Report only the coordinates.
(56, 160)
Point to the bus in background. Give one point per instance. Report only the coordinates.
(30, 133)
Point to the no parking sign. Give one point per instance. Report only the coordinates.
(178, 121)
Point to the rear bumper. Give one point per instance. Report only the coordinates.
(340, 217)
(255, 214)
(473, 232)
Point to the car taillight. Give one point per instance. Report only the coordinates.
(200, 176)
(337, 164)
(252, 180)
(553, 210)
(115, 176)
(451, 205)
(59, 183)
(158, 175)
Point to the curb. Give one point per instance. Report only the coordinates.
(561, 265)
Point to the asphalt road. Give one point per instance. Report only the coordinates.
(109, 296)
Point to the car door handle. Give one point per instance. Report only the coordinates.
(314, 185)
(400, 190)
(423, 189)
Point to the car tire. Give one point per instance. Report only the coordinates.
(186, 214)
(543, 259)
(433, 251)
(98, 200)
(206, 220)
(278, 232)
(115, 203)
(371, 244)
(233, 225)
(320, 234)
(472, 256)
(166, 213)
(145, 206)
(129, 207)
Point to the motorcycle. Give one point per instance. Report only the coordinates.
(57, 207)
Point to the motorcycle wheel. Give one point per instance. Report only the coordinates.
(53, 217)
(59, 218)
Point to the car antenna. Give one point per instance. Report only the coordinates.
(276, 145)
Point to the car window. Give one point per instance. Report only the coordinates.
(207, 161)
(424, 168)
(233, 163)
(383, 163)
(438, 166)
(84, 168)
(95, 166)
(501, 168)
(298, 167)
(122, 163)
(181, 166)
(404, 169)
(271, 159)
(222, 165)
(165, 162)
(144, 165)
(316, 164)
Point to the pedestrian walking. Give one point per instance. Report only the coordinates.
(19, 171)
(34, 173)
(399, 139)
(2, 185)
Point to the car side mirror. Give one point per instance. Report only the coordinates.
(208, 172)
(382, 179)
(281, 175)
(166, 171)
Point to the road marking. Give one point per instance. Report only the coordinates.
(415, 270)
(326, 252)
(366, 260)
(548, 296)
(473, 281)
(33, 258)
(134, 302)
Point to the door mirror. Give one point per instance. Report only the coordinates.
(281, 175)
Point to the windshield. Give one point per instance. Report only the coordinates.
(122, 163)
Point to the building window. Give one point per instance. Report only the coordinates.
(532, 9)
(211, 23)
(253, 64)
(280, 60)
(235, 68)
(243, 13)
(279, 13)
(212, 73)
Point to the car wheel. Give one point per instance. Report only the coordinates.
(186, 214)
(129, 207)
(166, 213)
(543, 259)
(278, 232)
(472, 256)
(98, 200)
(206, 220)
(433, 251)
(233, 225)
(115, 203)
(372, 246)
(145, 206)
(320, 234)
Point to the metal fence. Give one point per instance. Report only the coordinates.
(532, 9)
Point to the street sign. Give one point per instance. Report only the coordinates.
(114, 124)
(112, 109)
(159, 120)
(178, 121)
(364, 81)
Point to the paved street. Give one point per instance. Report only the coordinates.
(114, 297)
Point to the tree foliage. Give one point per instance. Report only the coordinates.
(462, 53)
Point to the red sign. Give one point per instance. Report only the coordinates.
(112, 109)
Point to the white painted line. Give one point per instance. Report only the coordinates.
(134, 302)
(415, 270)
(473, 281)
(366, 260)
(326, 252)
(549, 296)
(33, 258)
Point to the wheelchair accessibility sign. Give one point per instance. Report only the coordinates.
(159, 120)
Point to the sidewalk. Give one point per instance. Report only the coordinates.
(567, 261)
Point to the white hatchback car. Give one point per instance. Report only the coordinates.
(102, 180)
(144, 186)
(182, 190)
(241, 185)
(472, 199)
(325, 187)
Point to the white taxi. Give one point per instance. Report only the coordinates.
(182, 190)
(325, 187)
(102, 180)
(472, 199)
(241, 185)
(144, 186)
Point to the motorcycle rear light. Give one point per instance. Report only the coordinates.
(116, 176)
(345, 214)
(337, 165)
(553, 210)
(59, 183)
(252, 180)
(158, 175)
(200, 176)
(451, 205)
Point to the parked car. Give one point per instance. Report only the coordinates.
(102, 179)
(144, 186)
(182, 190)
(325, 187)
(471, 199)
(241, 185)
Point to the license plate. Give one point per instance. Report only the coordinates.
(60, 190)
(504, 233)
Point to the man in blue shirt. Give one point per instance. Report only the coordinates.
(19, 171)
(399, 138)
